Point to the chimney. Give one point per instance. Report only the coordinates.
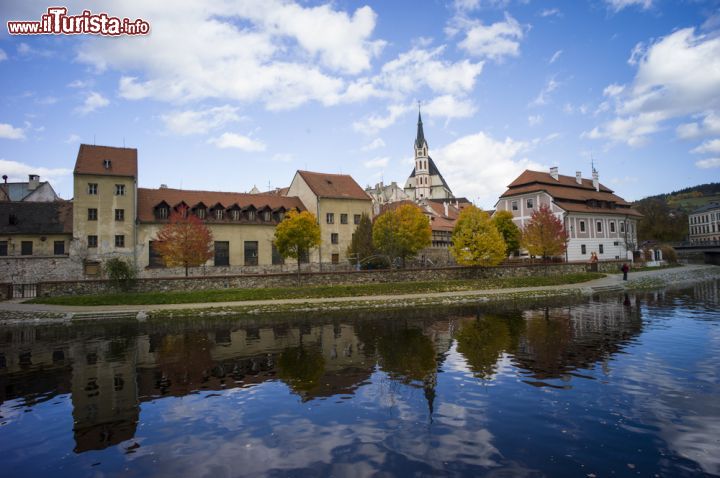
(554, 172)
(445, 205)
(596, 180)
(163, 186)
(33, 182)
(578, 177)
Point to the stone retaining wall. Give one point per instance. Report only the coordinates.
(86, 287)
(28, 269)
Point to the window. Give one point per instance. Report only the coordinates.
(330, 218)
(612, 226)
(120, 240)
(26, 248)
(219, 214)
(514, 205)
(529, 203)
(600, 248)
(356, 219)
(107, 164)
(266, 216)
(119, 189)
(304, 257)
(334, 238)
(235, 214)
(162, 212)
(92, 214)
(622, 226)
(599, 226)
(200, 212)
(583, 249)
(251, 215)
(222, 253)
(59, 248)
(582, 227)
(277, 259)
(251, 253)
(92, 189)
(119, 214)
(155, 258)
(92, 241)
(335, 258)
(3, 248)
(343, 218)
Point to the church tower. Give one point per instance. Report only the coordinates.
(422, 171)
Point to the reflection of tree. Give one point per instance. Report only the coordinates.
(184, 361)
(301, 367)
(406, 354)
(482, 341)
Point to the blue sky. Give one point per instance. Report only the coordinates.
(225, 95)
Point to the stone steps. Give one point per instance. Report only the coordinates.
(608, 288)
(119, 314)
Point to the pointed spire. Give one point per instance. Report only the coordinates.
(420, 138)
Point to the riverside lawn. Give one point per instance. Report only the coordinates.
(310, 292)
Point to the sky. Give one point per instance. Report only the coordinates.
(226, 95)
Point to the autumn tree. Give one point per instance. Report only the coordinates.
(475, 240)
(361, 248)
(402, 232)
(503, 221)
(544, 235)
(297, 235)
(184, 241)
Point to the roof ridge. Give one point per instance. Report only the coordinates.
(212, 192)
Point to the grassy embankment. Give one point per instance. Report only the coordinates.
(313, 292)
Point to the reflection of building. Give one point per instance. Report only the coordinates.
(595, 219)
(704, 224)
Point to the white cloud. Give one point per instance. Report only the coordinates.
(374, 123)
(632, 130)
(493, 41)
(551, 12)
(373, 145)
(544, 96)
(237, 141)
(477, 165)
(8, 131)
(199, 121)
(73, 138)
(3, 55)
(617, 5)
(711, 146)
(17, 171)
(555, 56)
(93, 101)
(534, 120)
(448, 106)
(677, 75)
(379, 162)
(613, 90)
(708, 163)
(710, 125)
(81, 84)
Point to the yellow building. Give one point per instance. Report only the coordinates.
(338, 202)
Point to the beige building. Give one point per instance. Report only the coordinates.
(595, 219)
(338, 202)
(704, 224)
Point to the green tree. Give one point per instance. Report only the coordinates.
(660, 223)
(120, 272)
(505, 225)
(402, 232)
(296, 235)
(185, 241)
(361, 249)
(475, 240)
(301, 367)
(545, 234)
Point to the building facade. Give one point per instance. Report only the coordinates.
(704, 224)
(33, 190)
(595, 219)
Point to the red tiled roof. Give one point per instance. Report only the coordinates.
(579, 207)
(562, 192)
(90, 160)
(337, 186)
(148, 199)
(530, 177)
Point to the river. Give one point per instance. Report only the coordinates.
(623, 385)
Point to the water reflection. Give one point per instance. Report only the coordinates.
(414, 379)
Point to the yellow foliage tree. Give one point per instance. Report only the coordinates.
(476, 240)
(296, 235)
(402, 232)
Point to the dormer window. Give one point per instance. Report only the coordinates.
(219, 214)
(235, 214)
(162, 212)
(107, 163)
(200, 212)
(266, 216)
(251, 215)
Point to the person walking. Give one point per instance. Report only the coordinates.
(625, 268)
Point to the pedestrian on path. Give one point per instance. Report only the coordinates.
(625, 268)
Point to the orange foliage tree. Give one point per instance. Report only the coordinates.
(544, 235)
(184, 241)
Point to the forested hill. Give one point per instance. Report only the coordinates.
(665, 216)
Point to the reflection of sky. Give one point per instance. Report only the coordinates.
(648, 406)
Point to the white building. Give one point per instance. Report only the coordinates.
(704, 224)
(596, 219)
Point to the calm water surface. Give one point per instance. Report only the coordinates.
(616, 386)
